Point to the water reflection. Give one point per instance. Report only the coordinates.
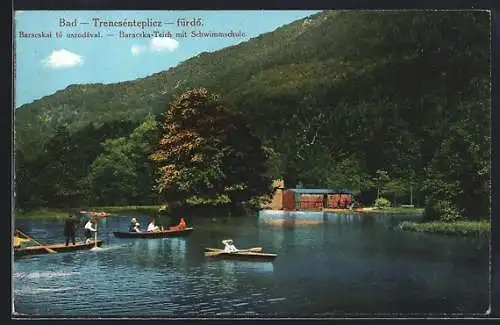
(298, 218)
(344, 263)
(291, 219)
(228, 272)
(368, 222)
(176, 249)
(158, 252)
(232, 268)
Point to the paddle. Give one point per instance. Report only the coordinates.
(214, 253)
(46, 248)
(253, 249)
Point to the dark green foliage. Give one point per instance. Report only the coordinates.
(334, 98)
(461, 228)
(207, 156)
(123, 173)
(54, 178)
(444, 211)
(382, 202)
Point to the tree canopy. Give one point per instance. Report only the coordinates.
(207, 156)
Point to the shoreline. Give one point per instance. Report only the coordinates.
(55, 213)
(371, 210)
(403, 211)
(58, 213)
(457, 228)
(463, 228)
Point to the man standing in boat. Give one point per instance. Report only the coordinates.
(89, 229)
(69, 229)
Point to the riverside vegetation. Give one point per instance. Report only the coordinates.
(391, 104)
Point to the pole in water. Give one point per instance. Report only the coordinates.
(95, 234)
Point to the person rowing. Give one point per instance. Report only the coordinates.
(229, 246)
(19, 239)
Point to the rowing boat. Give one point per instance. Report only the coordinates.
(240, 255)
(154, 234)
(35, 250)
(253, 249)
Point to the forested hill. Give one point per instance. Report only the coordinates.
(331, 54)
(223, 70)
(337, 96)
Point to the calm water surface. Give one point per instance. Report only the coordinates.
(333, 266)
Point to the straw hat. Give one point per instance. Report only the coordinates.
(134, 220)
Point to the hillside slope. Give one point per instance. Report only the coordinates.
(334, 97)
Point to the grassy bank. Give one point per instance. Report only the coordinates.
(50, 213)
(464, 228)
(41, 214)
(147, 209)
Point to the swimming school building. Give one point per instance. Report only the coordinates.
(296, 199)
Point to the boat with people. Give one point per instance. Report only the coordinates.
(154, 234)
(241, 255)
(154, 231)
(253, 249)
(55, 248)
(232, 253)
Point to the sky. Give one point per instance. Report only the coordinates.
(53, 50)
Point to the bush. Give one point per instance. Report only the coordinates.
(382, 202)
(450, 228)
(444, 211)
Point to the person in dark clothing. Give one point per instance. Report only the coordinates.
(69, 229)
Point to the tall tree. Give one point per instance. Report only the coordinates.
(207, 156)
(122, 174)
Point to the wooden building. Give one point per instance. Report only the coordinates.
(316, 199)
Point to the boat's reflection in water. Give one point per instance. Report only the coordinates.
(227, 273)
(159, 252)
(232, 268)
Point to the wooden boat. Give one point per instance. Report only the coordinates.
(154, 234)
(35, 250)
(240, 255)
(253, 249)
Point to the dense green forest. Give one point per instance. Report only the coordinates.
(390, 102)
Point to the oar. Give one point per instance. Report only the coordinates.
(45, 247)
(252, 250)
(213, 253)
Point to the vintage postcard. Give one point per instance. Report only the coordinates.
(251, 164)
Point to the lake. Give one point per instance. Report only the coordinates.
(328, 265)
